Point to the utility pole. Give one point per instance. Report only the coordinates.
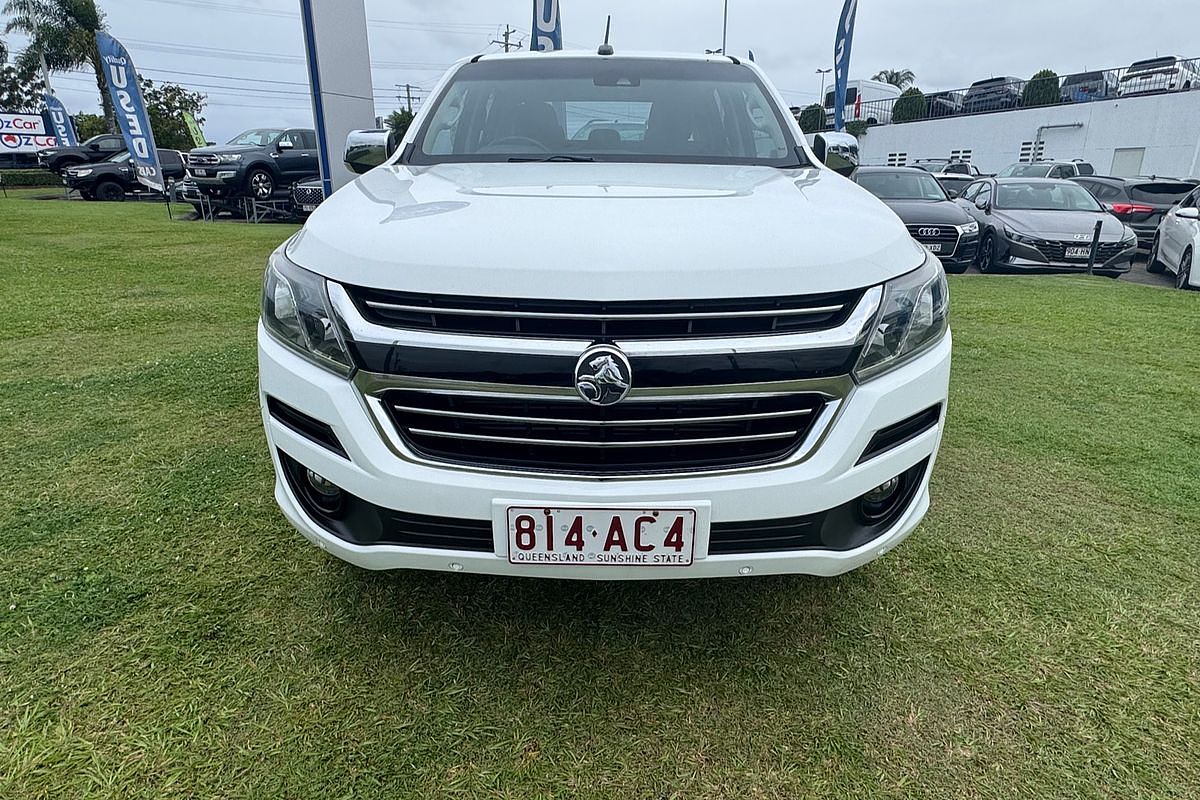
(408, 93)
(725, 29)
(508, 32)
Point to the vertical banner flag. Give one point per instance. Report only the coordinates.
(121, 77)
(194, 129)
(547, 26)
(841, 62)
(64, 131)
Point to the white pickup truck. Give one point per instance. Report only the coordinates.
(604, 317)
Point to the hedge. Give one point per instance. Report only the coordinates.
(11, 178)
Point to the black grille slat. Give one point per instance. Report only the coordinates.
(1055, 250)
(604, 320)
(632, 437)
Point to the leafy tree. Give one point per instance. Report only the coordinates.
(857, 128)
(165, 104)
(812, 118)
(21, 94)
(909, 106)
(398, 122)
(65, 30)
(900, 78)
(89, 125)
(1042, 89)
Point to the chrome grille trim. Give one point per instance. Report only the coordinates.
(202, 160)
(578, 443)
(850, 333)
(595, 423)
(478, 312)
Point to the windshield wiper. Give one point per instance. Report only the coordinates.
(540, 159)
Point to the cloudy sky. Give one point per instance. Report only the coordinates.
(247, 55)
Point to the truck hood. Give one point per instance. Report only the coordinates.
(224, 149)
(577, 231)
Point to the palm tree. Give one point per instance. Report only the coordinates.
(65, 30)
(900, 78)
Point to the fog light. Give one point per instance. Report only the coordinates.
(325, 494)
(880, 501)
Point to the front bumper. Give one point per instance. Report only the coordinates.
(376, 473)
(1025, 257)
(218, 179)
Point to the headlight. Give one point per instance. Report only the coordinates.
(1018, 237)
(296, 311)
(912, 318)
(81, 173)
(1130, 238)
(229, 158)
(969, 228)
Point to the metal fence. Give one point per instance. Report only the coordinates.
(1152, 76)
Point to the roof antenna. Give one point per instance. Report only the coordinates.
(606, 49)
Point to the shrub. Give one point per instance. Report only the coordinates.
(812, 118)
(10, 178)
(910, 106)
(1042, 89)
(857, 127)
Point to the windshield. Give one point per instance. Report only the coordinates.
(588, 109)
(259, 137)
(1024, 171)
(901, 185)
(1045, 196)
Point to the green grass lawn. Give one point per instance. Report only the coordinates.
(164, 633)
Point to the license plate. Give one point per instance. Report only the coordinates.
(601, 536)
(307, 207)
(1078, 252)
(933, 247)
(200, 173)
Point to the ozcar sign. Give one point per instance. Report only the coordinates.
(23, 133)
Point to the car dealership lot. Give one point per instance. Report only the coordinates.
(163, 631)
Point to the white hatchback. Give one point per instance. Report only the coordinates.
(1177, 241)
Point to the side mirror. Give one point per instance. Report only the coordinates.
(838, 151)
(366, 150)
(284, 144)
(1188, 213)
(984, 206)
(93, 146)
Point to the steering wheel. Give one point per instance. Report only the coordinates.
(487, 148)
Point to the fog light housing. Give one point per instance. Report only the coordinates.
(324, 493)
(881, 501)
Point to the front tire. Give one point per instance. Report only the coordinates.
(1154, 264)
(260, 185)
(109, 192)
(987, 255)
(1183, 275)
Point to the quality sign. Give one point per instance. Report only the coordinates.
(126, 95)
(23, 133)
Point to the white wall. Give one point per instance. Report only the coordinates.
(1166, 125)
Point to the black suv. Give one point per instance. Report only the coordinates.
(97, 148)
(1138, 202)
(993, 94)
(257, 163)
(112, 179)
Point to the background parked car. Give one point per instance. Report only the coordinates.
(943, 104)
(1163, 74)
(111, 180)
(307, 195)
(1085, 86)
(1141, 203)
(1045, 225)
(948, 166)
(932, 218)
(256, 163)
(1047, 169)
(954, 184)
(870, 101)
(993, 94)
(1178, 241)
(97, 148)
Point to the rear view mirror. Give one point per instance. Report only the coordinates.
(366, 150)
(838, 151)
(1188, 213)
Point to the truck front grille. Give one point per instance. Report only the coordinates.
(201, 160)
(308, 195)
(564, 434)
(945, 235)
(588, 320)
